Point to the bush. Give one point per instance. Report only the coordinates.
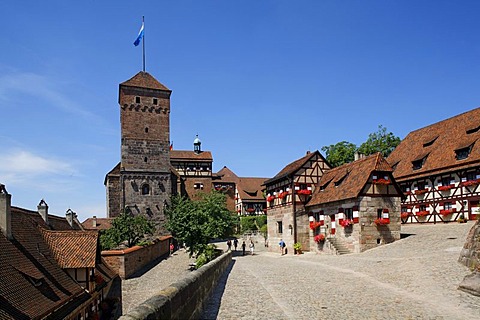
(206, 256)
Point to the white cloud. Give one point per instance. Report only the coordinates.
(24, 162)
(40, 87)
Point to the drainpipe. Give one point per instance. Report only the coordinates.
(294, 214)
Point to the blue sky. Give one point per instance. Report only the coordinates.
(261, 82)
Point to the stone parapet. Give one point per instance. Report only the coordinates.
(183, 299)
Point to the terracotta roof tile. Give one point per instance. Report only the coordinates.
(452, 135)
(352, 177)
(72, 249)
(227, 175)
(185, 155)
(250, 189)
(102, 223)
(144, 80)
(294, 166)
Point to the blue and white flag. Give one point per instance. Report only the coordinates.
(140, 36)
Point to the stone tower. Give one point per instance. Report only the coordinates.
(141, 181)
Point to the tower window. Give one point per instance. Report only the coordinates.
(145, 189)
(145, 159)
(155, 101)
(146, 130)
(137, 99)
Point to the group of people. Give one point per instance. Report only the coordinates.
(244, 245)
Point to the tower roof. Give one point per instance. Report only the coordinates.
(144, 80)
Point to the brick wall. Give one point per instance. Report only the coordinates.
(127, 262)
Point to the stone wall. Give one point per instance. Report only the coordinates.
(127, 262)
(183, 299)
(470, 256)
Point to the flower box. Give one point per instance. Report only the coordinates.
(382, 221)
(447, 212)
(319, 238)
(346, 223)
(407, 193)
(304, 192)
(470, 183)
(270, 198)
(405, 215)
(381, 181)
(315, 225)
(282, 195)
(250, 210)
(445, 188)
(423, 213)
(421, 191)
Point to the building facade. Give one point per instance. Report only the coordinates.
(438, 170)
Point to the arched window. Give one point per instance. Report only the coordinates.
(145, 189)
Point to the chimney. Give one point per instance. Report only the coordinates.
(70, 215)
(308, 151)
(42, 209)
(5, 212)
(94, 221)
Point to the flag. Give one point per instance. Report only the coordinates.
(140, 36)
(171, 146)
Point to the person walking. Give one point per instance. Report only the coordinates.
(281, 244)
(243, 248)
(171, 249)
(252, 247)
(235, 243)
(229, 245)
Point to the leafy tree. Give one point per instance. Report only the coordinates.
(126, 228)
(247, 223)
(340, 153)
(195, 223)
(380, 141)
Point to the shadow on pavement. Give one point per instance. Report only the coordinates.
(212, 307)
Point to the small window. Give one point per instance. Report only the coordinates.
(198, 185)
(447, 206)
(155, 101)
(146, 130)
(422, 207)
(429, 142)
(379, 213)
(471, 176)
(349, 213)
(145, 159)
(145, 189)
(419, 161)
(280, 226)
(463, 153)
(339, 181)
(137, 99)
(473, 129)
(421, 185)
(446, 181)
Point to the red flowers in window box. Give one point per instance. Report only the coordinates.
(381, 181)
(448, 212)
(270, 198)
(445, 188)
(250, 210)
(304, 192)
(319, 238)
(382, 221)
(315, 225)
(282, 195)
(421, 191)
(423, 213)
(405, 215)
(346, 223)
(470, 183)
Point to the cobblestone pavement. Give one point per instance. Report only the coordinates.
(167, 271)
(414, 278)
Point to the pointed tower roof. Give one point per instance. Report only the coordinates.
(144, 80)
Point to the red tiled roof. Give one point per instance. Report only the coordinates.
(144, 80)
(72, 249)
(227, 175)
(294, 166)
(251, 189)
(452, 135)
(185, 155)
(102, 223)
(355, 175)
(32, 285)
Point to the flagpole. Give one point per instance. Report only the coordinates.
(143, 22)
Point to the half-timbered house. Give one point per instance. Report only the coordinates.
(355, 207)
(250, 199)
(287, 194)
(438, 170)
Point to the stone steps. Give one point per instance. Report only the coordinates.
(339, 245)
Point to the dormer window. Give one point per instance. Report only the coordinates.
(339, 181)
(419, 161)
(463, 152)
(429, 142)
(473, 129)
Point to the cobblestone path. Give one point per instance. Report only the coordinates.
(414, 278)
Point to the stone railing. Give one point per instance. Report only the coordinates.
(185, 298)
(128, 261)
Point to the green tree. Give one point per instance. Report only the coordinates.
(380, 141)
(126, 228)
(195, 223)
(340, 153)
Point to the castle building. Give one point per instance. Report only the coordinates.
(438, 170)
(142, 181)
